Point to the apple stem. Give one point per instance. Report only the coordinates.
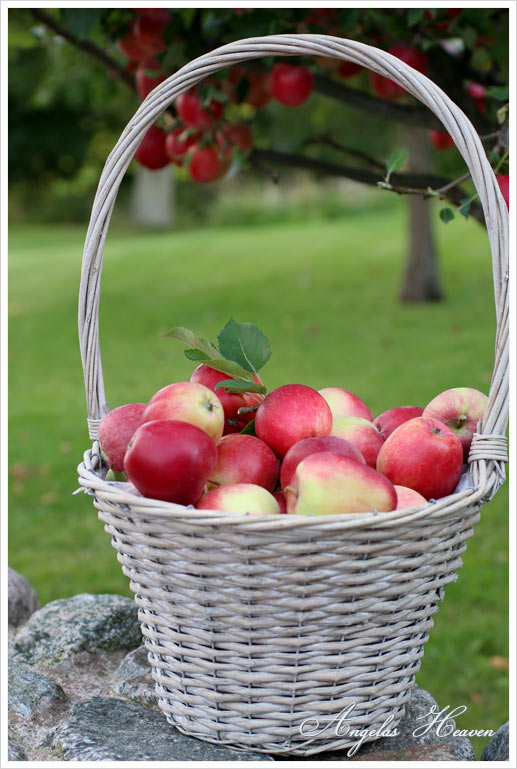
(291, 489)
(247, 409)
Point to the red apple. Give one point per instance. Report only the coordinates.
(310, 446)
(461, 409)
(151, 150)
(259, 91)
(244, 459)
(207, 164)
(116, 429)
(291, 85)
(192, 112)
(178, 143)
(476, 90)
(408, 498)
(234, 135)
(503, 181)
(362, 434)
(389, 420)
(170, 460)
(132, 48)
(423, 454)
(343, 403)
(280, 498)
(387, 88)
(289, 414)
(242, 498)
(327, 483)
(231, 402)
(441, 140)
(148, 30)
(188, 402)
(146, 81)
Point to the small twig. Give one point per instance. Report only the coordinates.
(502, 160)
(452, 184)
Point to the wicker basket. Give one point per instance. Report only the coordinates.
(261, 631)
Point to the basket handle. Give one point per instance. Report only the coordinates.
(422, 88)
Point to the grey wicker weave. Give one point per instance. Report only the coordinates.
(261, 631)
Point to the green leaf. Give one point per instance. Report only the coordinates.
(464, 209)
(499, 92)
(231, 368)
(414, 16)
(245, 344)
(446, 214)
(249, 429)
(82, 21)
(239, 386)
(395, 161)
(194, 342)
(195, 355)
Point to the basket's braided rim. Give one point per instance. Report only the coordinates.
(488, 452)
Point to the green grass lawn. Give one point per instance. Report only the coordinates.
(325, 294)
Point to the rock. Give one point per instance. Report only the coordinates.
(108, 729)
(86, 675)
(497, 747)
(421, 710)
(33, 696)
(133, 678)
(22, 599)
(439, 752)
(83, 623)
(14, 751)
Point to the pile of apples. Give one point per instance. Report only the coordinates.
(295, 450)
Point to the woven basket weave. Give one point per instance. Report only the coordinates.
(261, 631)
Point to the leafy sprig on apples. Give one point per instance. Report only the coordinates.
(242, 350)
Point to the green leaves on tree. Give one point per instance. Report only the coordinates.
(395, 162)
(446, 214)
(82, 21)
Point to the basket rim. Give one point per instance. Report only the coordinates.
(454, 506)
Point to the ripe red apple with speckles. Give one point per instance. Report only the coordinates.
(244, 459)
(310, 446)
(289, 414)
(327, 483)
(389, 420)
(116, 429)
(240, 498)
(170, 460)
(423, 454)
(189, 402)
(461, 409)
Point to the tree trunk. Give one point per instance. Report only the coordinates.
(421, 279)
(152, 197)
